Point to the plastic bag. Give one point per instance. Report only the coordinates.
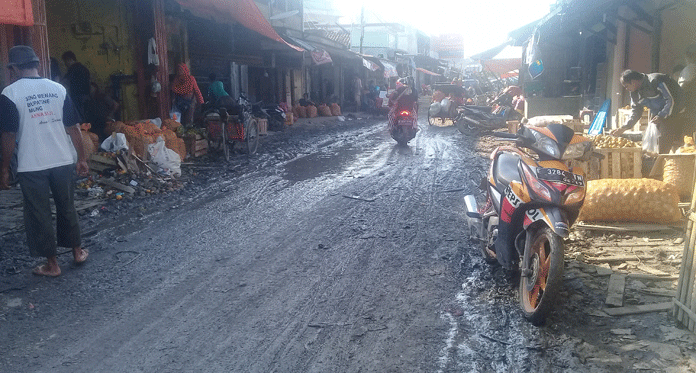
(167, 160)
(114, 144)
(651, 139)
(175, 114)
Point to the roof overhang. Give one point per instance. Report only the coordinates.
(244, 12)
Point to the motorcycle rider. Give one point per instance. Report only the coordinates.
(405, 95)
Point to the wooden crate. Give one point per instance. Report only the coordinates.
(577, 125)
(196, 145)
(623, 163)
(263, 126)
(624, 114)
(513, 126)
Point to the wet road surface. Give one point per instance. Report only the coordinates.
(334, 250)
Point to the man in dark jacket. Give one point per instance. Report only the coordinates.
(663, 96)
(76, 80)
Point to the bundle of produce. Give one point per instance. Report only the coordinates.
(112, 127)
(630, 200)
(679, 172)
(324, 111)
(438, 96)
(688, 146)
(335, 109)
(311, 111)
(294, 111)
(171, 124)
(301, 111)
(613, 142)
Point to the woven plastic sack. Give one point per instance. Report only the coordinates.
(311, 111)
(630, 200)
(112, 127)
(294, 111)
(324, 111)
(335, 109)
(302, 112)
(679, 172)
(87, 144)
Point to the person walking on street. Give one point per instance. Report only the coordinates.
(662, 95)
(357, 90)
(38, 115)
(76, 79)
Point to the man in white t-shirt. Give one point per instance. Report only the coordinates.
(38, 116)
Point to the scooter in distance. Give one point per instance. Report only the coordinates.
(531, 202)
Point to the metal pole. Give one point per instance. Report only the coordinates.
(362, 27)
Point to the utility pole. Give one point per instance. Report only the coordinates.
(362, 27)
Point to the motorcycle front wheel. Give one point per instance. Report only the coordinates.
(252, 136)
(541, 275)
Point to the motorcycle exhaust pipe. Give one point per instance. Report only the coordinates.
(473, 217)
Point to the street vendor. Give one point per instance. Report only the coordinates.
(38, 115)
(663, 96)
(217, 94)
(186, 93)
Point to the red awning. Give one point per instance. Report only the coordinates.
(244, 12)
(16, 12)
(427, 71)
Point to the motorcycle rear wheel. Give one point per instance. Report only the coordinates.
(224, 144)
(542, 274)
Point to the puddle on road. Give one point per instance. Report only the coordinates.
(319, 164)
(357, 162)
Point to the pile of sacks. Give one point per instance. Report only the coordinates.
(140, 134)
(312, 111)
(630, 200)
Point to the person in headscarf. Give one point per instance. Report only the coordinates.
(186, 93)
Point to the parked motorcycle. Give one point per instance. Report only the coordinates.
(530, 205)
(272, 113)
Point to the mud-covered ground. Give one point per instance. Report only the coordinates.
(332, 250)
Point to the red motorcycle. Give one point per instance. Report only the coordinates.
(403, 116)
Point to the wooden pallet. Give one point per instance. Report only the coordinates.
(622, 163)
(685, 300)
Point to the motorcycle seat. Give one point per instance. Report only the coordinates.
(505, 170)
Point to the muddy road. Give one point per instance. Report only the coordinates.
(333, 250)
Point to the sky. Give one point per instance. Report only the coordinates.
(484, 23)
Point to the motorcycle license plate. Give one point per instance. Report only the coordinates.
(560, 176)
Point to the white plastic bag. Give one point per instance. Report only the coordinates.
(114, 144)
(175, 114)
(167, 160)
(651, 139)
